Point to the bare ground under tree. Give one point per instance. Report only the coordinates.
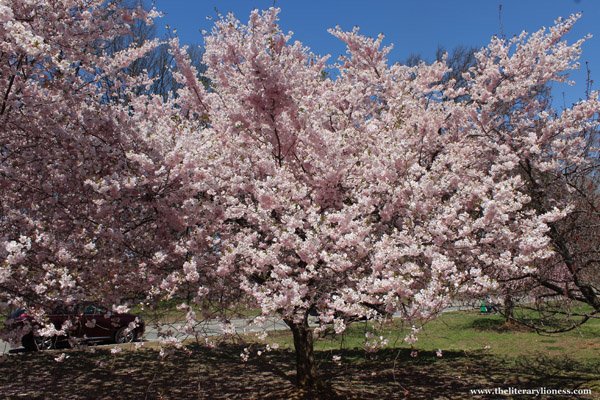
(203, 373)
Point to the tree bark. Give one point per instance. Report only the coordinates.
(306, 369)
(509, 308)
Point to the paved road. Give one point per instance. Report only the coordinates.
(213, 328)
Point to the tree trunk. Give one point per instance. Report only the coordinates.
(306, 369)
(509, 308)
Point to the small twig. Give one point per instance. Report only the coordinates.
(148, 388)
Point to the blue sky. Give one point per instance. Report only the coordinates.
(413, 26)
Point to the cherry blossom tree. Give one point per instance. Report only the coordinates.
(559, 286)
(378, 191)
(558, 170)
(94, 179)
(558, 283)
(387, 189)
(55, 135)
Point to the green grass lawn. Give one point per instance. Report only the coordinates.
(467, 332)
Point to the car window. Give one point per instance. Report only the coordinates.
(93, 309)
(90, 309)
(16, 313)
(101, 310)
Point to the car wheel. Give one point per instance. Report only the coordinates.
(44, 342)
(28, 343)
(37, 343)
(124, 336)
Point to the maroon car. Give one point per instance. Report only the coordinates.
(90, 323)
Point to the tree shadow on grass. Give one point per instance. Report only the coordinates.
(456, 373)
(202, 373)
(498, 325)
